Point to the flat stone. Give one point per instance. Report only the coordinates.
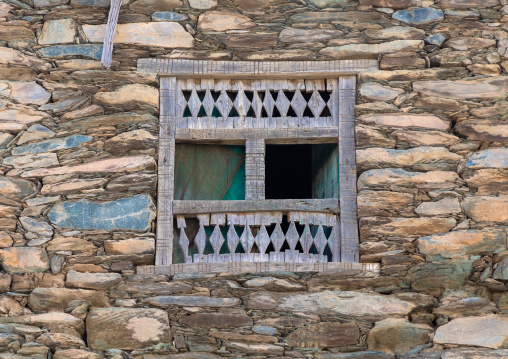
(222, 319)
(393, 4)
(84, 112)
(202, 4)
(25, 92)
(51, 145)
(60, 31)
(134, 213)
(264, 330)
(19, 260)
(35, 133)
(11, 57)
(488, 181)
(5, 139)
(110, 165)
(409, 121)
(384, 203)
(367, 136)
(75, 354)
(70, 244)
(142, 182)
(421, 16)
(355, 355)
(490, 331)
(443, 207)
(486, 209)
(398, 177)
(255, 348)
(32, 161)
(249, 41)
(168, 16)
(64, 105)
(16, 33)
(356, 305)
(468, 43)
(129, 95)
(58, 299)
(424, 138)
(465, 4)
(274, 284)
(60, 51)
(127, 328)
(130, 246)
(435, 39)
(47, 3)
(455, 307)
(148, 7)
(461, 243)
(97, 281)
(337, 16)
(375, 227)
(421, 158)
(163, 34)
(192, 301)
(395, 33)
(502, 48)
(397, 336)
(325, 335)
(60, 340)
(159, 288)
(223, 21)
(489, 158)
(40, 227)
(73, 186)
(371, 50)
(16, 188)
(378, 92)
(131, 141)
(54, 321)
(290, 35)
(5, 9)
(483, 89)
(110, 120)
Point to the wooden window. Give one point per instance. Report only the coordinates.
(218, 118)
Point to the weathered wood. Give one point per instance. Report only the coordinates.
(296, 135)
(240, 268)
(251, 70)
(255, 169)
(328, 205)
(166, 170)
(350, 251)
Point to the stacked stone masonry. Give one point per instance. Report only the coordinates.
(432, 152)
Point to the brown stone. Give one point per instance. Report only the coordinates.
(397, 177)
(485, 69)
(54, 321)
(256, 338)
(111, 165)
(127, 142)
(487, 181)
(468, 43)
(482, 89)
(130, 246)
(222, 319)
(441, 208)
(58, 299)
(371, 50)
(60, 340)
(255, 348)
(261, 301)
(129, 95)
(274, 284)
(149, 7)
(397, 335)
(394, 4)
(290, 35)
(486, 209)
(486, 130)
(257, 40)
(73, 186)
(15, 33)
(374, 227)
(402, 60)
(252, 5)
(83, 112)
(396, 33)
(325, 335)
(367, 136)
(16, 260)
(424, 138)
(99, 281)
(277, 55)
(500, 108)
(70, 244)
(166, 34)
(160, 288)
(126, 328)
(465, 4)
(404, 120)
(462, 243)
(384, 203)
(443, 104)
(223, 21)
(76, 354)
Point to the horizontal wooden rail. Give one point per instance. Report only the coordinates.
(329, 205)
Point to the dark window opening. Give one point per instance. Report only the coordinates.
(288, 171)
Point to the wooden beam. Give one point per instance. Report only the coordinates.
(255, 169)
(249, 267)
(270, 135)
(255, 69)
(269, 205)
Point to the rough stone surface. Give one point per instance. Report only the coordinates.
(98, 281)
(127, 328)
(129, 95)
(18, 260)
(58, 32)
(420, 16)
(475, 89)
(489, 331)
(369, 51)
(486, 209)
(125, 213)
(222, 21)
(58, 299)
(397, 335)
(490, 158)
(324, 335)
(409, 121)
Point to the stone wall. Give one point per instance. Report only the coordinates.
(75, 139)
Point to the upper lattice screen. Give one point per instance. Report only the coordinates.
(228, 104)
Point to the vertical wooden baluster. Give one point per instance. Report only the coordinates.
(233, 240)
(200, 239)
(255, 169)
(298, 103)
(217, 240)
(263, 240)
(321, 241)
(306, 242)
(269, 104)
(183, 240)
(247, 240)
(334, 239)
(292, 237)
(194, 105)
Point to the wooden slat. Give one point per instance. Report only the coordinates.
(248, 206)
(255, 169)
(250, 70)
(347, 168)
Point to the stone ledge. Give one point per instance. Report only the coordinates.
(258, 267)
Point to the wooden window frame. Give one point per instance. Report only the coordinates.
(343, 71)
